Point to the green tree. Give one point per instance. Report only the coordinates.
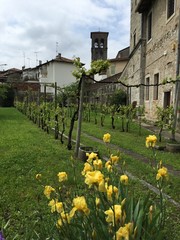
(68, 94)
(165, 118)
(6, 96)
(118, 98)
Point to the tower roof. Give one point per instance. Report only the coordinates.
(99, 33)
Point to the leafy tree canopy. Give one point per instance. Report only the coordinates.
(96, 67)
(118, 98)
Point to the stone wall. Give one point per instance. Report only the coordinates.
(156, 56)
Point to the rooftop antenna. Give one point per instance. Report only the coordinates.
(29, 62)
(4, 64)
(57, 48)
(36, 53)
(24, 57)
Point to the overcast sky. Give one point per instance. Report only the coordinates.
(33, 30)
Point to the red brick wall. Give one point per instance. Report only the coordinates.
(25, 86)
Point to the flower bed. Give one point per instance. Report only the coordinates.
(105, 209)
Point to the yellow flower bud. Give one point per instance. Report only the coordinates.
(98, 201)
(38, 176)
(124, 179)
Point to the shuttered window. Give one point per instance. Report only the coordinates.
(156, 87)
(149, 25)
(147, 88)
(170, 8)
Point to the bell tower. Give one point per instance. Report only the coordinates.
(99, 45)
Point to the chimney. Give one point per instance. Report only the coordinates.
(59, 55)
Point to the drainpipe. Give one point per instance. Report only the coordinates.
(143, 58)
(177, 85)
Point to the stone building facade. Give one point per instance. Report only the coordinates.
(118, 63)
(101, 91)
(154, 41)
(106, 85)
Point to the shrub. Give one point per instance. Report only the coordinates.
(6, 96)
(118, 98)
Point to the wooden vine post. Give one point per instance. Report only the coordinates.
(43, 110)
(81, 74)
(56, 131)
(38, 103)
(80, 113)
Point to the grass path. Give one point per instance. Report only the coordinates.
(135, 155)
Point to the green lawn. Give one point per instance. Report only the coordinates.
(136, 143)
(26, 150)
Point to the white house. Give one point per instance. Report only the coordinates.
(56, 70)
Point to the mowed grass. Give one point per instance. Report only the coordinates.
(26, 150)
(131, 140)
(136, 144)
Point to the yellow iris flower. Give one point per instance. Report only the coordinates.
(112, 191)
(114, 159)
(62, 176)
(106, 138)
(56, 206)
(151, 141)
(97, 164)
(48, 190)
(124, 232)
(95, 178)
(162, 173)
(87, 168)
(124, 179)
(113, 214)
(80, 205)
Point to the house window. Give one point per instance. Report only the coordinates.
(134, 38)
(156, 87)
(147, 88)
(170, 8)
(133, 66)
(149, 26)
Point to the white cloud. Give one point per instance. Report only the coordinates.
(35, 26)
